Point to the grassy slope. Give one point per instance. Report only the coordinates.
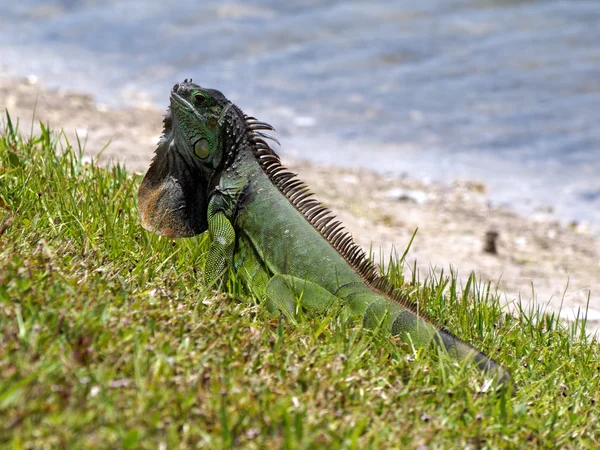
(108, 338)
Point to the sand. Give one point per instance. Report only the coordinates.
(538, 260)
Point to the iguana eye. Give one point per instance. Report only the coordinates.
(199, 98)
(202, 148)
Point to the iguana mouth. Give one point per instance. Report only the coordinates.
(178, 95)
(178, 100)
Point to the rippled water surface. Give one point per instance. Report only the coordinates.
(507, 92)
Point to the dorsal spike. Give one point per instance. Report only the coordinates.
(256, 125)
(266, 136)
(321, 223)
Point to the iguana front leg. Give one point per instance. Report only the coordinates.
(222, 244)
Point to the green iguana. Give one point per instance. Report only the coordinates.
(213, 170)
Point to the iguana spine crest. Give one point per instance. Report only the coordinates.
(319, 216)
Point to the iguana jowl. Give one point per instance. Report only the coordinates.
(213, 170)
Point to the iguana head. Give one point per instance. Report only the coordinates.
(198, 117)
(173, 195)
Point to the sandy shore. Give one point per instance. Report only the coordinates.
(561, 263)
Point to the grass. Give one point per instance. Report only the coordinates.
(108, 338)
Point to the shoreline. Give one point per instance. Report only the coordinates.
(562, 261)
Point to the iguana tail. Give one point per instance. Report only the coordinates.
(421, 333)
(389, 313)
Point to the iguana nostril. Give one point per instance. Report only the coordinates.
(175, 87)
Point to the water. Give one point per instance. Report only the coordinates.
(506, 92)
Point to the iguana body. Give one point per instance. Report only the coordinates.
(214, 170)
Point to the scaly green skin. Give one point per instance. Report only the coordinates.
(213, 170)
